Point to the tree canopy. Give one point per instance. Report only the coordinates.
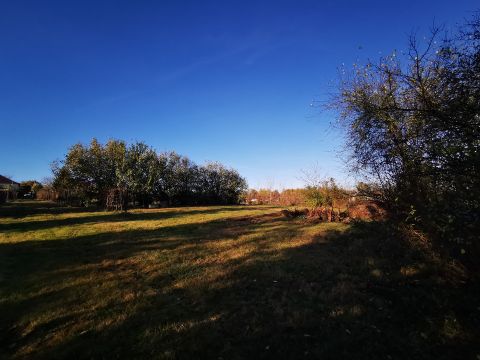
(89, 172)
(413, 124)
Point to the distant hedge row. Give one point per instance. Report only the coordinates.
(89, 173)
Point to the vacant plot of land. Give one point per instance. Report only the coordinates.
(223, 282)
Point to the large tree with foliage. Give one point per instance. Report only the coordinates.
(219, 185)
(413, 124)
(90, 173)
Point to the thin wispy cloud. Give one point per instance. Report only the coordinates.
(250, 50)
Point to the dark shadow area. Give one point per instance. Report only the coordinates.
(23, 208)
(20, 210)
(227, 289)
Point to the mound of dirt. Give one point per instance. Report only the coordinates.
(367, 210)
(327, 214)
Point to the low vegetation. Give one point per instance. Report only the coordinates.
(225, 282)
(316, 193)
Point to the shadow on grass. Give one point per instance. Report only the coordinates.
(21, 209)
(261, 287)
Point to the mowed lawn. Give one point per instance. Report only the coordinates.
(224, 282)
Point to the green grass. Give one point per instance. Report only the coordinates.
(224, 282)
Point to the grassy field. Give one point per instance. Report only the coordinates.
(224, 282)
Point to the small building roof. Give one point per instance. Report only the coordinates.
(5, 180)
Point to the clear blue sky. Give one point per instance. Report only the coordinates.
(228, 80)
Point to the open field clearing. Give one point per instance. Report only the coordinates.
(231, 282)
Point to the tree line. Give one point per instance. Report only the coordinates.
(136, 174)
(413, 126)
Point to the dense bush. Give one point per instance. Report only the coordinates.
(315, 197)
(88, 174)
(413, 125)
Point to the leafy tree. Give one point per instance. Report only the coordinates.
(413, 125)
(90, 174)
(178, 177)
(142, 172)
(90, 171)
(314, 197)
